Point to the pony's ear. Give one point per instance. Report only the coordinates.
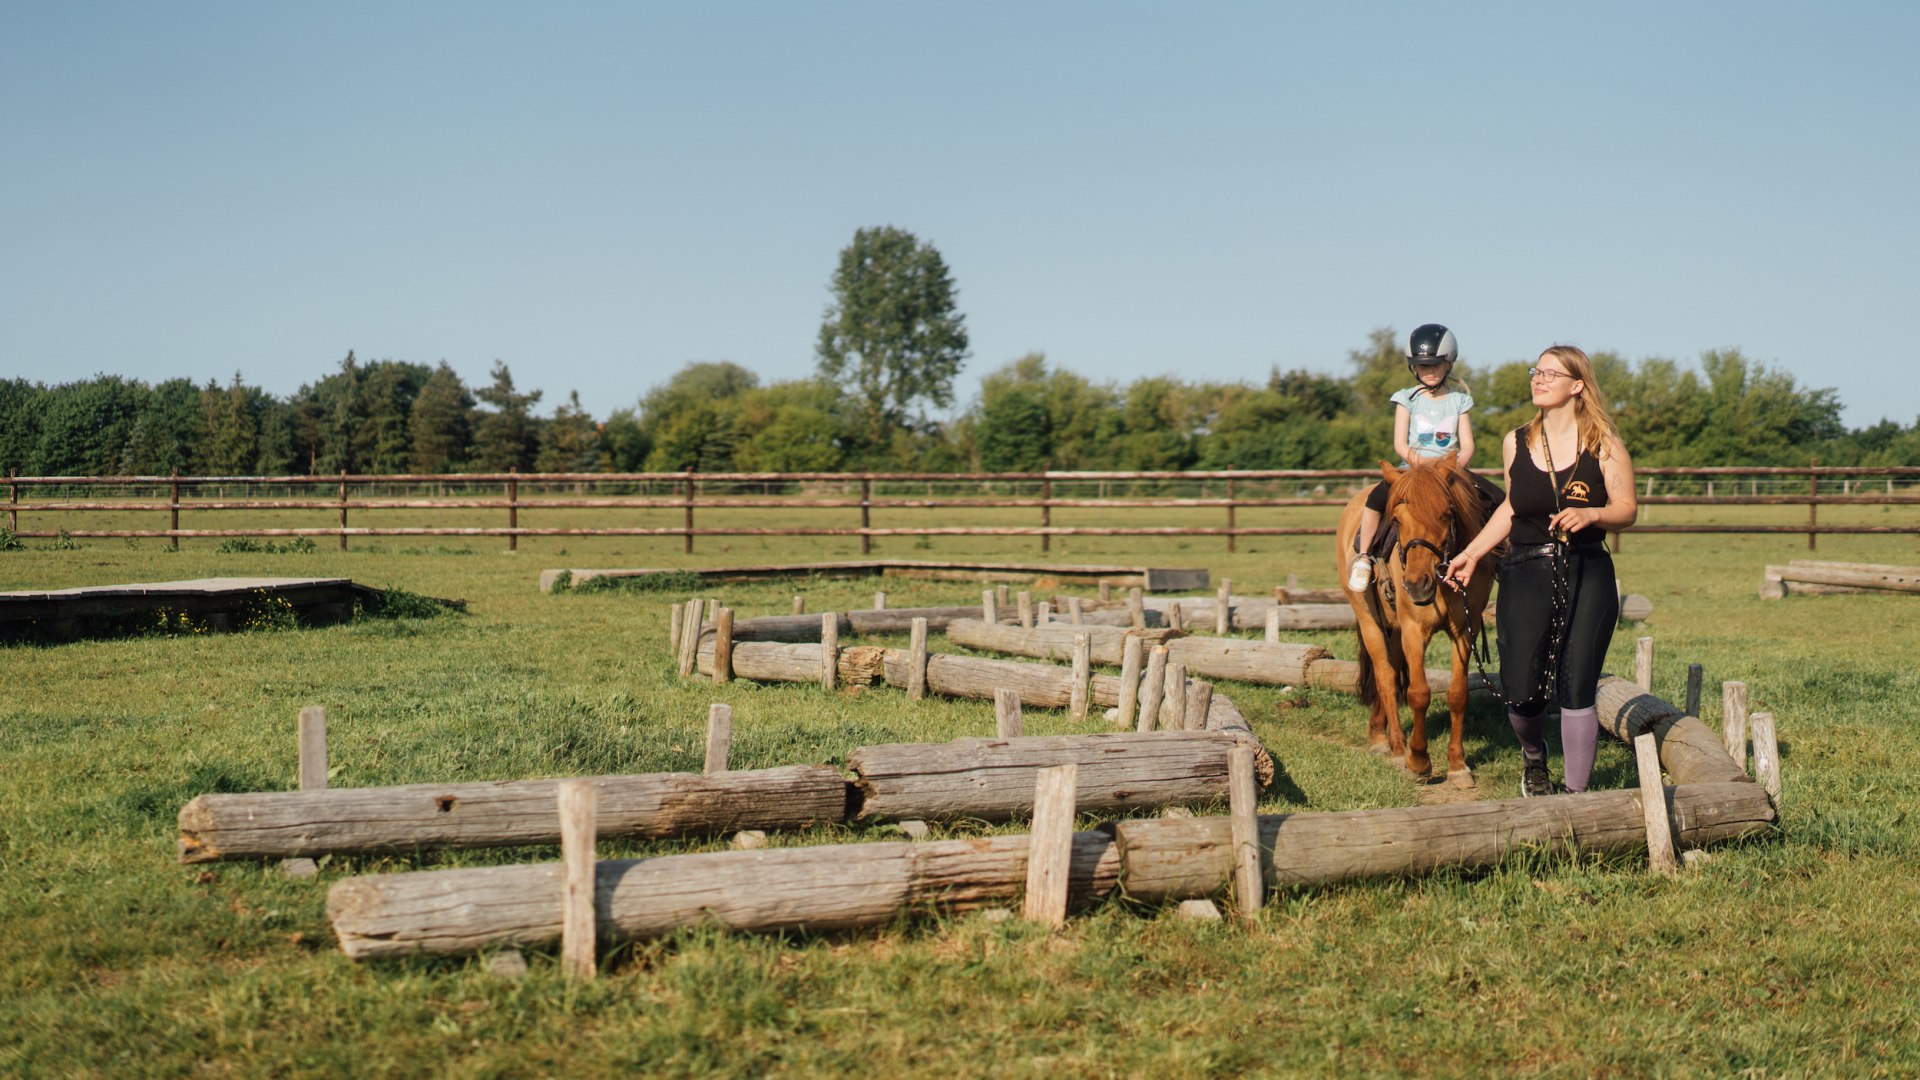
(1452, 459)
(1387, 470)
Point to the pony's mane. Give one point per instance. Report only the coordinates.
(1434, 489)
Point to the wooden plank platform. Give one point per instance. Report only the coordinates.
(1150, 578)
(214, 602)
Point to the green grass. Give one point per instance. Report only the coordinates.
(1791, 956)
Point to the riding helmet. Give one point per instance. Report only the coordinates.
(1431, 344)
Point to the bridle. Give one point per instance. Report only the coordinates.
(1443, 554)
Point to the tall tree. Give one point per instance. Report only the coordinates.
(387, 391)
(570, 442)
(505, 438)
(892, 330)
(233, 431)
(441, 423)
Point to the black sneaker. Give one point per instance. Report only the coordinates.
(1534, 780)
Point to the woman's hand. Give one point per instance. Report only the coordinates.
(1460, 570)
(1573, 519)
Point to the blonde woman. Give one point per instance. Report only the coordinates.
(1569, 482)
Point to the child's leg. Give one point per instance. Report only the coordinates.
(1369, 524)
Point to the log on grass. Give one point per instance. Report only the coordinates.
(1218, 658)
(413, 817)
(1179, 858)
(1690, 751)
(993, 779)
(807, 889)
(776, 661)
(1250, 613)
(1344, 676)
(1804, 575)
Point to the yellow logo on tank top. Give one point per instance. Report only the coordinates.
(1578, 490)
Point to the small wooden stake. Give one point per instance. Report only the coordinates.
(1199, 703)
(1153, 688)
(1693, 690)
(917, 660)
(880, 601)
(799, 604)
(1643, 663)
(829, 649)
(313, 748)
(674, 627)
(1006, 714)
(1044, 614)
(1082, 671)
(1173, 714)
(719, 736)
(1766, 754)
(1132, 654)
(1001, 592)
(1243, 800)
(690, 636)
(1050, 845)
(723, 645)
(1175, 618)
(1222, 611)
(1026, 610)
(1653, 802)
(989, 611)
(1106, 590)
(1073, 610)
(1733, 721)
(1136, 609)
(1273, 626)
(577, 799)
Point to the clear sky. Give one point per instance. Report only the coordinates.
(598, 194)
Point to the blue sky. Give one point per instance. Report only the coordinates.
(598, 194)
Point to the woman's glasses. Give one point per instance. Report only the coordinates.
(1540, 374)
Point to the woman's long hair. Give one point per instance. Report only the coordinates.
(1592, 420)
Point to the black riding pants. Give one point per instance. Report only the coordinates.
(1523, 618)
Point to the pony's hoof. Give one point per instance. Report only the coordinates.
(1421, 774)
(1460, 778)
(1380, 748)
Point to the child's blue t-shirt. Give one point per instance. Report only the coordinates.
(1433, 424)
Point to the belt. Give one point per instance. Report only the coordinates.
(1541, 551)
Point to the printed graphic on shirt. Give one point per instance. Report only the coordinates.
(1578, 491)
(1427, 433)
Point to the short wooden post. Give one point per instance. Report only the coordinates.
(1199, 703)
(829, 649)
(313, 748)
(989, 611)
(690, 636)
(173, 509)
(880, 600)
(1046, 512)
(866, 514)
(1136, 609)
(513, 508)
(1026, 610)
(1043, 613)
(1006, 714)
(719, 737)
(799, 604)
(1242, 803)
(917, 660)
(1073, 611)
(1082, 671)
(1293, 582)
(1653, 803)
(675, 623)
(1050, 845)
(1232, 505)
(578, 830)
(1106, 589)
(1694, 674)
(1132, 655)
(1003, 595)
(1766, 754)
(1643, 663)
(723, 645)
(1733, 721)
(1222, 614)
(1153, 688)
(1173, 714)
(687, 498)
(343, 509)
(1273, 626)
(1813, 503)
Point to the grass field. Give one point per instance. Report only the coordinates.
(1791, 956)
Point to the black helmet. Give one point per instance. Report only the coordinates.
(1431, 344)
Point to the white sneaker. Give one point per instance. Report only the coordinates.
(1360, 574)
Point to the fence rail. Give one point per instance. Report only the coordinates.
(686, 494)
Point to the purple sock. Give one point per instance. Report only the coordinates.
(1579, 739)
(1532, 731)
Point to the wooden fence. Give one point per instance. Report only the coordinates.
(75, 506)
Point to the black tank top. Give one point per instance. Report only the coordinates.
(1580, 484)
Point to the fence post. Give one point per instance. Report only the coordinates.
(1046, 508)
(1230, 509)
(173, 511)
(343, 509)
(1813, 508)
(866, 514)
(688, 482)
(513, 507)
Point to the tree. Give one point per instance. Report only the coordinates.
(892, 329)
(570, 442)
(506, 437)
(441, 423)
(233, 431)
(387, 390)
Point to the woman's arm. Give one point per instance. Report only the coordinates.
(1464, 436)
(1460, 569)
(1400, 433)
(1623, 505)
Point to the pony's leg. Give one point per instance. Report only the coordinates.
(1457, 772)
(1383, 722)
(1413, 645)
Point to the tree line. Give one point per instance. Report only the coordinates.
(889, 348)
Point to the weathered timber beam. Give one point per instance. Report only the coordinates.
(1690, 752)
(808, 889)
(1220, 658)
(416, 817)
(1174, 858)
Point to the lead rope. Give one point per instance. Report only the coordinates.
(1549, 678)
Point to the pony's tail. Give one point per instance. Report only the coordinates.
(1369, 693)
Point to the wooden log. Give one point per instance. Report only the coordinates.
(719, 737)
(802, 628)
(1733, 721)
(1653, 807)
(1173, 713)
(578, 952)
(1082, 672)
(827, 662)
(1166, 859)
(1007, 720)
(1766, 754)
(1132, 654)
(797, 889)
(1153, 688)
(1856, 576)
(312, 733)
(1643, 663)
(1199, 704)
(723, 645)
(1251, 613)
(1050, 846)
(1344, 676)
(1689, 751)
(992, 779)
(1215, 658)
(1243, 816)
(917, 662)
(418, 817)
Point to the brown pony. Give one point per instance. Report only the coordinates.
(1435, 508)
